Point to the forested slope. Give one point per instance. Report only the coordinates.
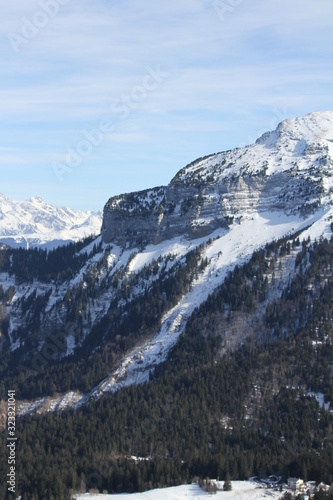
(208, 410)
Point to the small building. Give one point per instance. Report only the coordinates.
(295, 484)
(312, 487)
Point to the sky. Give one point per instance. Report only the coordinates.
(103, 97)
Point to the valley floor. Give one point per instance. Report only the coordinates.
(241, 490)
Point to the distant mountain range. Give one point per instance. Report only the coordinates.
(35, 223)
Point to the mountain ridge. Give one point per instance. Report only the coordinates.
(289, 170)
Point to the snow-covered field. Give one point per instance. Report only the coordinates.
(241, 490)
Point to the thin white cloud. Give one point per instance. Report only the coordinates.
(259, 57)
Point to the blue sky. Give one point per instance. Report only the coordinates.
(110, 96)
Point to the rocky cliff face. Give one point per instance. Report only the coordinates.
(153, 216)
(289, 169)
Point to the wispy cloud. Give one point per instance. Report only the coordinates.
(225, 77)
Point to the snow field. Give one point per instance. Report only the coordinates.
(241, 490)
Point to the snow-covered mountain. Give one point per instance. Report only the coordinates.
(220, 210)
(288, 170)
(35, 223)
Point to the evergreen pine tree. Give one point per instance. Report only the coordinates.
(227, 486)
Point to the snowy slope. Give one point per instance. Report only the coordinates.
(233, 247)
(296, 144)
(36, 223)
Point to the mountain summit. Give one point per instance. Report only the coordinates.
(288, 170)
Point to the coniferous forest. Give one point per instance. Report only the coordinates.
(209, 410)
